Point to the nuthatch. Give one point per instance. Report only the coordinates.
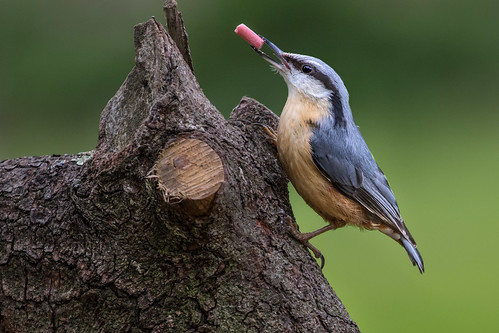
(326, 158)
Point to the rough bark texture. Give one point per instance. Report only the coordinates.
(87, 242)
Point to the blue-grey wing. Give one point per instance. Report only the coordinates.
(344, 158)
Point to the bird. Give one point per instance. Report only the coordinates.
(326, 158)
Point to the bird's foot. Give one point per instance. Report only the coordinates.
(271, 134)
(304, 239)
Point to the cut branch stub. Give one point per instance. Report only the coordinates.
(189, 172)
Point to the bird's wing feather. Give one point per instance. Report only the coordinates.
(352, 169)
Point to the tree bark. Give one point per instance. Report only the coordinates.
(91, 242)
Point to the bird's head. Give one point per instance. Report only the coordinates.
(307, 75)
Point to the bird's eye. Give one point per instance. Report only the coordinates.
(306, 69)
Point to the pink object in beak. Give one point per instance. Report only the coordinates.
(249, 36)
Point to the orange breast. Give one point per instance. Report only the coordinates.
(297, 121)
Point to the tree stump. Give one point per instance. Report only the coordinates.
(98, 242)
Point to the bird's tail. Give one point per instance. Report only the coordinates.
(413, 253)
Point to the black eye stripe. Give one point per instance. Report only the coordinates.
(293, 62)
(326, 81)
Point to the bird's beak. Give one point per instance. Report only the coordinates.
(283, 65)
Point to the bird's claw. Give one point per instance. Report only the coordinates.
(271, 134)
(304, 239)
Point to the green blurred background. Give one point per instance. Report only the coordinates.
(423, 78)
